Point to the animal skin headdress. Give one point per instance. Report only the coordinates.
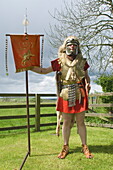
(62, 48)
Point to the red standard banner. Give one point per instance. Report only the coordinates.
(26, 51)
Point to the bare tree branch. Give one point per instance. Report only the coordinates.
(92, 22)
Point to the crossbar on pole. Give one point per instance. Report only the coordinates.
(22, 34)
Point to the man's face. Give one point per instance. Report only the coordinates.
(71, 49)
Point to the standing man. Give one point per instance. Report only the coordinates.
(74, 87)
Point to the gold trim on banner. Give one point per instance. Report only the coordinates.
(23, 69)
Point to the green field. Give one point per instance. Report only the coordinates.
(45, 145)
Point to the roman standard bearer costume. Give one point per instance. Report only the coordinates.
(71, 86)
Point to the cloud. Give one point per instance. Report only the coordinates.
(37, 83)
(95, 88)
(11, 85)
(45, 85)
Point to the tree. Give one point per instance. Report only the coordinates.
(106, 82)
(92, 22)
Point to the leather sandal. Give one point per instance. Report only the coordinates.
(86, 152)
(64, 152)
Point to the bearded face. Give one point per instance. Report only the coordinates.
(72, 47)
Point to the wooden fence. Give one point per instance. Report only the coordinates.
(93, 102)
(37, 105)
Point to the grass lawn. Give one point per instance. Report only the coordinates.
(45, 147)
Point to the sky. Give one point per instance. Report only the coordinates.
(12, 13)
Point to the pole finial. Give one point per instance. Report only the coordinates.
(25, 22)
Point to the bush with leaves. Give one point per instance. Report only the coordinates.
(106, 82)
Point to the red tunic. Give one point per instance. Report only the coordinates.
(62, 105)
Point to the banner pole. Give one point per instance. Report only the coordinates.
(27, 107)
(25, 22)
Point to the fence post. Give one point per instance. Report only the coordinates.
(92, 101)
(37, 112)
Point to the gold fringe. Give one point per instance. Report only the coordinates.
(24, 69)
